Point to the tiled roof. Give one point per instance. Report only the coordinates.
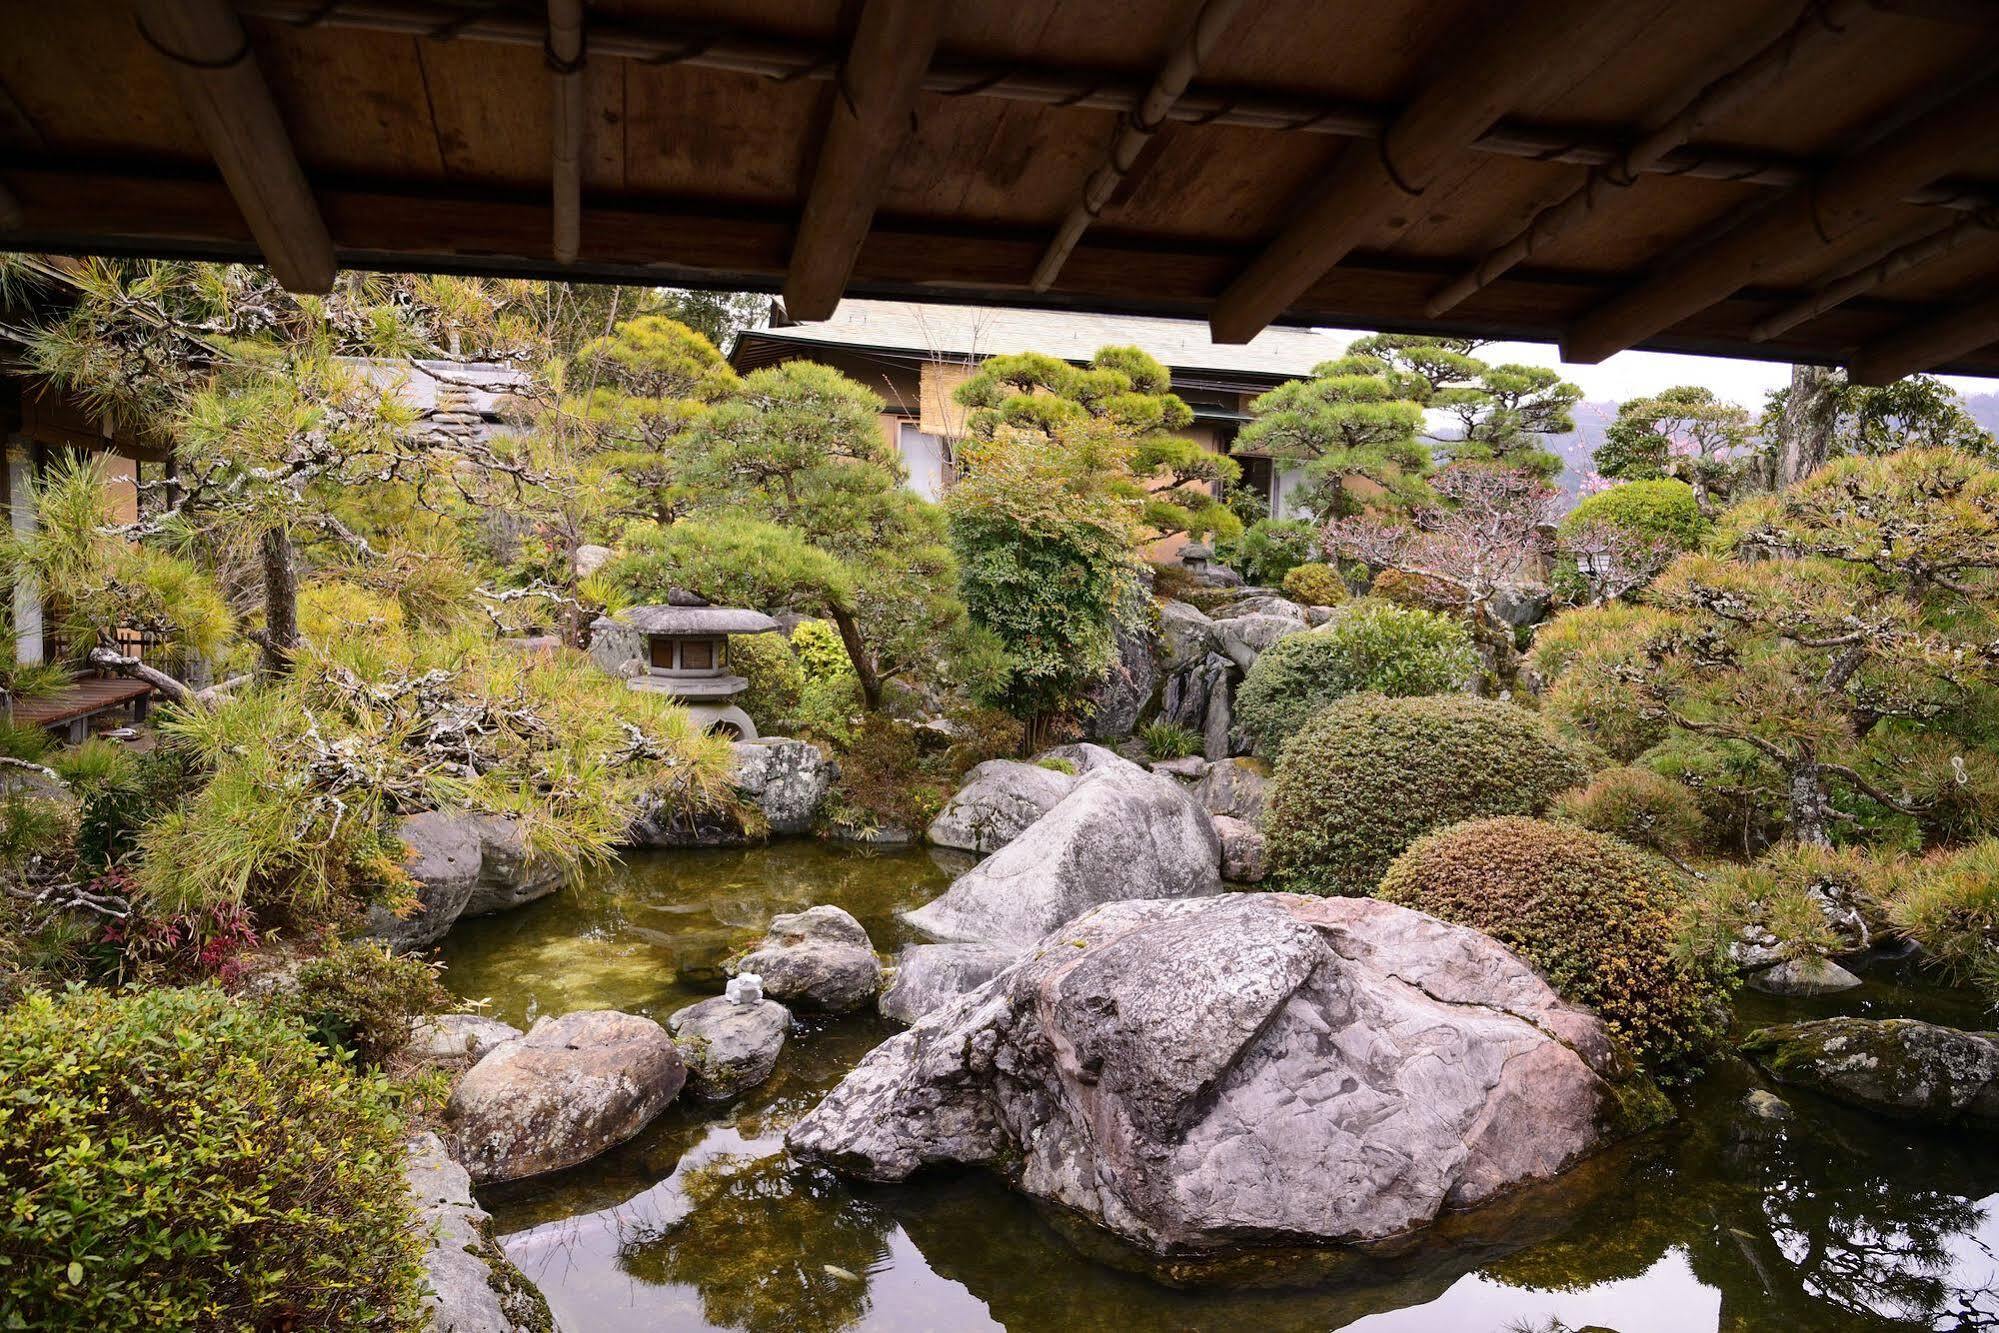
(982, 331)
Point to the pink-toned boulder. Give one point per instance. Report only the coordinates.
(1249, 1068)
(571, 1088)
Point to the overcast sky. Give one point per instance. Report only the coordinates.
(1636, 374)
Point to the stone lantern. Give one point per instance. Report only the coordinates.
(683, 653)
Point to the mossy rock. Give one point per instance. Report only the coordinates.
(1897, 1067)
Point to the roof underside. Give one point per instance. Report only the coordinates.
(1764, 178)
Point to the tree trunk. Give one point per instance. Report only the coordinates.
(1811, 806)
(1805, 433)
(280, 602)
(857, 653)
(110, 659)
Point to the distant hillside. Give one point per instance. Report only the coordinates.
(1984, 409)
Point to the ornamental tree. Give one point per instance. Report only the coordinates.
(1491, 526)
(1860, 600)
(1684, 432)
(1354, 425)
(1499, 414)
(1126, 395)
(1822, 415)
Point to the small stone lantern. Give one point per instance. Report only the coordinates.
(683, 652)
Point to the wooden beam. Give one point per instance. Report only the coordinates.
(566, 124)
(1927, 344)
(1665, 133)
(1933, 245)
(874, 104)
(767, 54)
(1854, 192)
(208, 54)
(1135, 132)
(1522, 48)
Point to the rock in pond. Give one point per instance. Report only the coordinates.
(571, 1088)
(728, 1047)
(930, 976)
(1248, 1068)
(820, 959)
(1234, 787)
(1122, 833)
(470, 1286)
(784, 780)
(1802, 976)
(1000, 798)
(1245, 858)
(457, 1040)
(463, 865)
(1899, 1067)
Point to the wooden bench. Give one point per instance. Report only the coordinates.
(73, 706)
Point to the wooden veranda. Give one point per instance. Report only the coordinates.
(1767, 178)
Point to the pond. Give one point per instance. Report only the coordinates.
(701, 1222)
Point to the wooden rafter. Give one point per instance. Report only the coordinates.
(208, 54)
(1854, 192)
(1818, 27)
(1898, 259)
(1135, 131)
(769, 55)
(874, 102)
(1478, 81)
(1927, 344)
(566, 123)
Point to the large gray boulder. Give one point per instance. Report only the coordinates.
(1186, 635)
(1128, 685)
(1234, 787)
(785, 779)
(1122, 833)
(930, 976)
(1802, 977)
(1899, 1067)
(469, 1284)
(729, 1047)
(571, 1088)
(1242, 639)
(509, 874)
(1245, 855)
(618, 648)
(1085, 757)
(818, 959)
(1000, 798)
(1250, 1068)
(444, 859)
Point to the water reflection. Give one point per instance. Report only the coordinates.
(1841, 1223)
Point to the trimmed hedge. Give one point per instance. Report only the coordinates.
(1599, 917)
(1369, 775)
(1664, 509)
(1369, 646)
(1639, 806)
(1315, 584)
(194, 1161)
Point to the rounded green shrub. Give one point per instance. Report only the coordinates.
(1315, 584)
(1597, 916)
(1639, 806)
(1664, 509)
(1367, 776)
(359, 997)
(195, 1162)
(1369, 646)
(1270, 548)
(776, 680)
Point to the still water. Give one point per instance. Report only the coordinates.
(1844, 1222)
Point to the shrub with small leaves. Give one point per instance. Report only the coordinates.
(1369, 775)
(181, 1159)
(1740, 792)
(775, 679)
(1369, 646)
(1167, 740)
(1270, 548)
(1596, 915)
(1315, 584)
(359, 997)
(1639, 806)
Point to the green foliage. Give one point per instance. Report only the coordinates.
(1369, 646)
(885, 781)
(1167, 740)
(1639, 806)
(1587, 657)
(1501, 412)
(1054, 765)
(1684, 432)
(308, 776)
(1664, 508)
(119, 792)
(776, 681)
(1595, 915)
(1949, 905)
(1314, 584)
(1367, 776)
(1354, 426)
(1739, 790)
(1916, 411)
(1790, 892)
(1044, 552)
(358, 997)
(195, 1162)
(1270, 548)
(816, 644)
